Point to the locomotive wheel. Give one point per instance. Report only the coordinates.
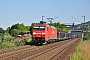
(48, 42)
(38, 43)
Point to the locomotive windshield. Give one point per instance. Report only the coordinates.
(39, 28)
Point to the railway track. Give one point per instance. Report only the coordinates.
(51, 53)
(9, 53)
(31, 52)
(63, 54)
(2, 51)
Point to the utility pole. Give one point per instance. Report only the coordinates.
(73, 26)
(83, 28)
(84, 18)
(42, 17)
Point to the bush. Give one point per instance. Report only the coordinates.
(27, 40)
(7, 45)
(7, 41)
(19, 42)
(75, 55)
(87, 36)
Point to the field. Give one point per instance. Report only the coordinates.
(82, 51)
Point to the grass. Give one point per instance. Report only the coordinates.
(85, 50)
(82, 51)
(75, 55)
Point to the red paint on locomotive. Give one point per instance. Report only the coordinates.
(44, 31)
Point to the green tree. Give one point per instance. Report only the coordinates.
(17, 28)
(87, 34)
(2, 31)
(7, 30)
(33, 24)
(14, 32)
(60, 26)
(8, 37)
(27, 28)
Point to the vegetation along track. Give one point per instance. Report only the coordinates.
(32, 51)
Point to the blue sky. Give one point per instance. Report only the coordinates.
(29, 11)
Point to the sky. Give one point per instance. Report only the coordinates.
(30, 11)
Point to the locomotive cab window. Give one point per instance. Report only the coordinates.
(39, 27)
(42, 28)
(36, 27)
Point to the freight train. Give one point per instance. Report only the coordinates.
(43, 33)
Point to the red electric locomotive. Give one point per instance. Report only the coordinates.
(43, 33)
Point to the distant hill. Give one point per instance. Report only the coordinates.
(86, 24)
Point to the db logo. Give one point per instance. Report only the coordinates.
(53, 32)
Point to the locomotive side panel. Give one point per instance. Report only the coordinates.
(52, 33)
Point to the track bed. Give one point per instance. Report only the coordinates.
(53, 51)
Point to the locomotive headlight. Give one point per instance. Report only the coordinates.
(34, 32)
(43, 33)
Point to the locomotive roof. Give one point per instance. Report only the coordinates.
(44, 25)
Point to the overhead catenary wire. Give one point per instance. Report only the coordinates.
(35, 5)
(61, 6)
(47, 13)
(43, 14)
(38, 7)
(29, 7)
(61, 10)
(43, 10)
(65, 12)
(76, 19)
(68, 14)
